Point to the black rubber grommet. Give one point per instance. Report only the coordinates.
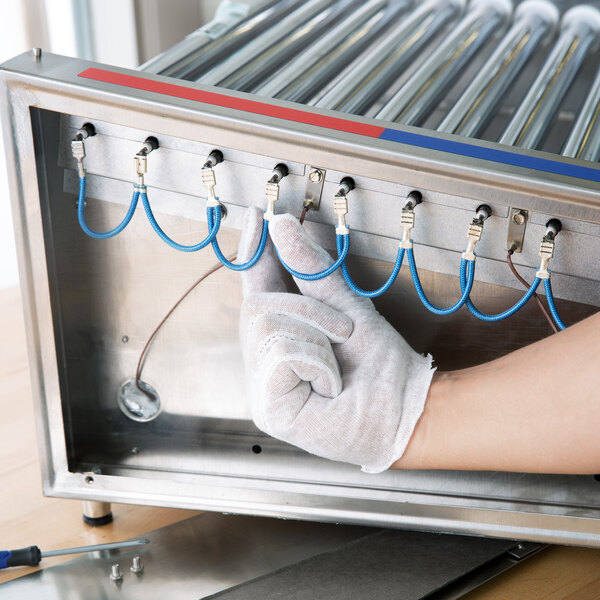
(98, 521)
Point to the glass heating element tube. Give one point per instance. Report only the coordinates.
(580, 28)
(362, 85)
(264, 65)
(263, 42)
(314, 68)
(535, 22)
(220, 26)
(206, 57)
(420, 94)
(584, 140)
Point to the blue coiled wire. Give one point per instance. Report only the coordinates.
(467, 266)
(214, 213)
(106, 234)
(552, 306)
(342, 242)
(384, 288)
(212, 231)
(507, 313)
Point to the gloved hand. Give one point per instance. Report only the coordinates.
(325, 371)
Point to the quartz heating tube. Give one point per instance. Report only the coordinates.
(535, 22)
(312, 70)
(206, 57)
(366, 81)
(260, 44)
(421, 93)
(584, 140)
(265, 64)
(227, 16)
(580, 29)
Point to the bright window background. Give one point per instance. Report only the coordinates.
(124, 33)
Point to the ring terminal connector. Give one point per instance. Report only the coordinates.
(408, 218)
(209, 179)
(483, 213)
(78, 148)
(272, 192)
(340, 205)
(547, 246)
(141, 161)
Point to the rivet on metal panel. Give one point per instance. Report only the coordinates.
(137, 567)
(37, 53)
(517, 222)
(314, 188)
(115, 573)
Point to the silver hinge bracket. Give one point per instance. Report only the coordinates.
(517, 223)
(315, 179)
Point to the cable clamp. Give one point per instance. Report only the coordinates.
(272, 195)
(340, 206)
(140, 188)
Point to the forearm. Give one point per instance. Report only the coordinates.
(534, 410)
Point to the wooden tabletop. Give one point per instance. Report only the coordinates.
(27, 518)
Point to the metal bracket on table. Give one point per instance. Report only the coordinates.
(315, 179)
(517, 223)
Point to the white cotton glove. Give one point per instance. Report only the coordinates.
(326, 372)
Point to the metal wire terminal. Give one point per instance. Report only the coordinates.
(340, 205)
(547, 246)
(476, 231)
(272, 193)
(141, 160)
(78, 148)
(408, 218)
(209, 178)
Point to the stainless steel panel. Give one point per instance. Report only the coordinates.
(85, 297)
(216, 554)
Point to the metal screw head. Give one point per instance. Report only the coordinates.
(115, 573)
(137, 566)
(125, 339)
(315, 176)
(519, 218)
